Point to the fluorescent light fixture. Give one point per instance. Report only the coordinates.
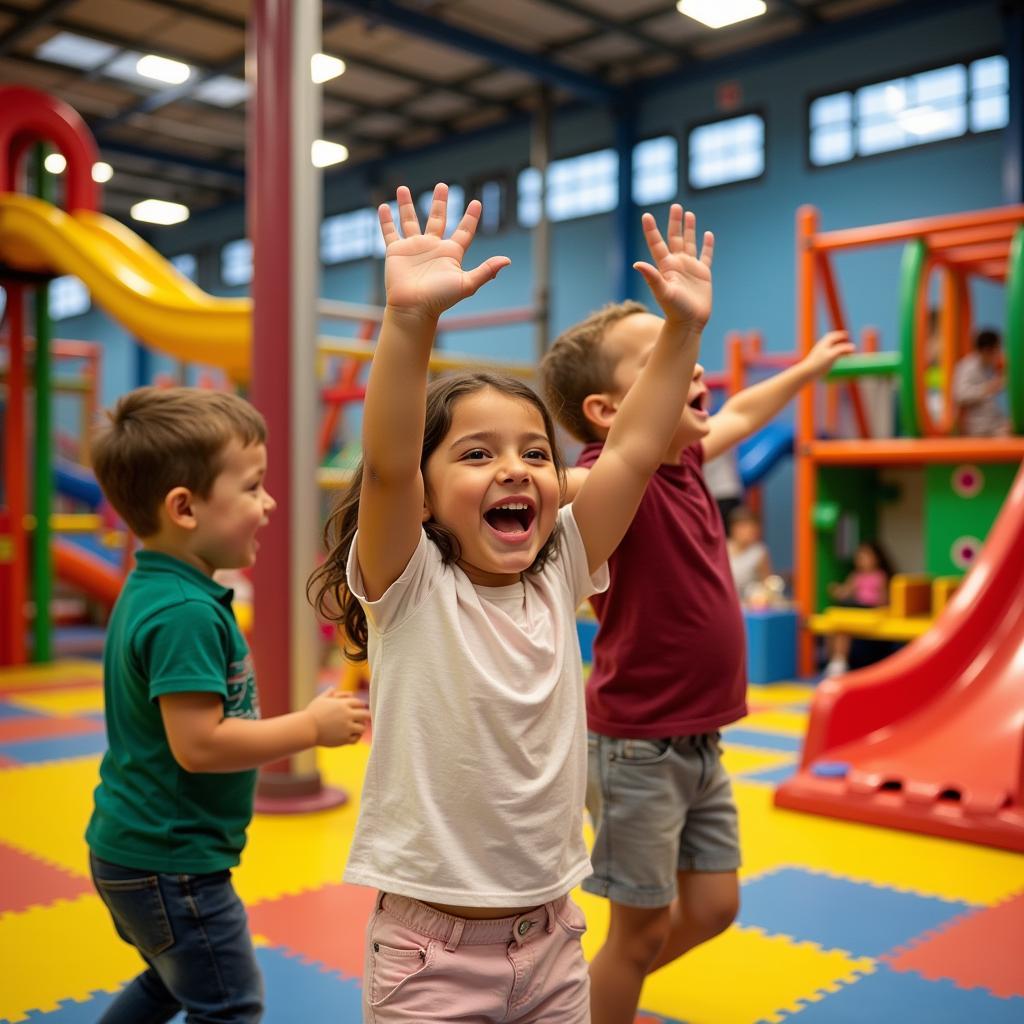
(158, 211)
(75, 51)
(324, 67)
(325, 153)
(719, 13)
(163, 69)
(55, 163)
(222, 91)
(102, 171)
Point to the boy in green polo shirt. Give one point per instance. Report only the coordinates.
(184, 468)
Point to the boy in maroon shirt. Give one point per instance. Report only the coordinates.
(669, 662)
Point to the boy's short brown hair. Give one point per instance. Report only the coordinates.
(156, 439)
(577, 365)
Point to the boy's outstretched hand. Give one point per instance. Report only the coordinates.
(679, 281)
(423, 271)
(827, 349)
(340, 718)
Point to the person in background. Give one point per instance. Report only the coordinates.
(977, 384)
(748, 554)
(866, 587)
(722, 476)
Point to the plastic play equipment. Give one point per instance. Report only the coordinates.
(763, 451)
(932, 738)
(966, 479)
(129, 279)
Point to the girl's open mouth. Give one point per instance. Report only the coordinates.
(512, 520)
(699, 403)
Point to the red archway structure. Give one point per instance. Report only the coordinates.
(29, 117)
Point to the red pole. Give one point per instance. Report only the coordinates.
(16, 466)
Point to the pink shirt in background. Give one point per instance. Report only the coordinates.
(869, 588)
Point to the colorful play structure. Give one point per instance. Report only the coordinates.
(932, 738)
(166, 312)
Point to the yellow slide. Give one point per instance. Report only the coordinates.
(130, 280)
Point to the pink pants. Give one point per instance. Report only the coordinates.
(423, 965)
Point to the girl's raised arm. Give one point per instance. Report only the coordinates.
(423, 277)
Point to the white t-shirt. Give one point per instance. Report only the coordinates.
(475, 787)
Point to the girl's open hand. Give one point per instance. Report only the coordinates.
(423, 271)
(679, 281)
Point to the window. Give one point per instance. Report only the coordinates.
(348, 236)
(577, 187)
(236, 262)
(185, 264)
(493, 195)
(68, 297)
(655, 170)
(990, 99)
(456, 208)
(726, 151)
(941, 103)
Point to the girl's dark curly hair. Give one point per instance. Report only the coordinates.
(328, 585)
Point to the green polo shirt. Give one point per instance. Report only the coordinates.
(171, 631)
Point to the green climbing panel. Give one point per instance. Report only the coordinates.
(962, 502)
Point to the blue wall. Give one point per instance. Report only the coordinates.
(754, 223)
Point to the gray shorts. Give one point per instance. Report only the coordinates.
(658, 807)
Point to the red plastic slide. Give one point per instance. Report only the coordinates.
(932, 738)
(82, 569)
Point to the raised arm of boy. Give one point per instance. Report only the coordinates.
(423, 277)
(753, 407)
(649, 414)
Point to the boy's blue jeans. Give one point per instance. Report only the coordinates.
(193, 932)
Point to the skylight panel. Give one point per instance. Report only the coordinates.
(75, 51)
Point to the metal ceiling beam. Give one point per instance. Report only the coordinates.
(414, 23)
(808, 16)
(626, 28)
(29, 21)
(899, 13)
(224, 171)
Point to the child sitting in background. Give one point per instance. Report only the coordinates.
(748, 554)
(977, 384)
(866, 587)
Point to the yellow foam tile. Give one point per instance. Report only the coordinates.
(66, 950)
(75, 700)
(772, 838)
(780, 693)
(788, 723)
(52, 674)
(46, 809)
(741, 760)
(744, 976)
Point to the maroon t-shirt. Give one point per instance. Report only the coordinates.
(670, 654)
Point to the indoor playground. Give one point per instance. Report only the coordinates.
(188, 195)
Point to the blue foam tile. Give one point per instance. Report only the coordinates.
(14, 711)
(762, 740)
(302, 992)
(58, 748)
(770, 776)
(70, 1012)
(891, 997)
(865, 920)
(294, 992)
